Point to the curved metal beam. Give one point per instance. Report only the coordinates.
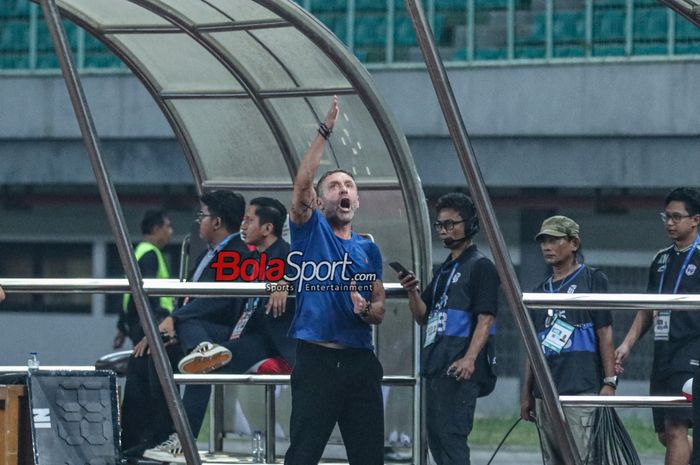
(280, 134)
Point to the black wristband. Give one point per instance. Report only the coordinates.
(324, 130)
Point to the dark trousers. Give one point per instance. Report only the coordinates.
(332, 386)
(695, 458)
(190, 333)
(145, 416)
(450, 417)
(245, 352)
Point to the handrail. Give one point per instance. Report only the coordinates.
(216, 378)
(625, 401)
(590, 301)
(152, 287)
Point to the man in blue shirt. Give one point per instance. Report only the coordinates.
(337, 378)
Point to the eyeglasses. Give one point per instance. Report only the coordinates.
(200, 215)
(448, 225)
(675, 217)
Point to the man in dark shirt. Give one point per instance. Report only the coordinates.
(202, 324)
(145, 418)
(259, 338)
(459, 309)
(676, 333)
(157, 231)
(577, 344)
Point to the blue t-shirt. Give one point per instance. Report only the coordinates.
(324, 309)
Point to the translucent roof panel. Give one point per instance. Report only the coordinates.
(250, 54)
(231, 141)
(112, 13)
(244, 10)
(356, 144)
(309, 65)
(177, 63)
(193, 12)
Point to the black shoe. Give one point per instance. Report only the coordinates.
(135, 452)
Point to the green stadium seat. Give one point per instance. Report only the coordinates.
(537, 33)
(14, 35)
(450, 4)
(328, 6)
(687, 48)
(490, 53)
(371, 5)
(530, 52)
(14, 62)
(601, 50)
(460, 54)
(404, 35)
(490, 4)
(568, 51)
(650, 49)
(685, 29)
(569, 25)
(609, 25)
(650, 24)
(370, 30)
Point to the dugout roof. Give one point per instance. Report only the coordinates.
(244, 84)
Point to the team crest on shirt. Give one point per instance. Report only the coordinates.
(571, 289)
(690, 271)
(456, 278)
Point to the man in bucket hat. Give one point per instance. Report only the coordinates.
(577, 344)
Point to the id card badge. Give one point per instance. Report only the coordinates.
(558, 335)
(662, 325)
(432, 329)
(243, 320)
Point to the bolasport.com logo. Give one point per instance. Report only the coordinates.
(309, 276)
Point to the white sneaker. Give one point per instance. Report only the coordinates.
(168, 451)
(204, 358)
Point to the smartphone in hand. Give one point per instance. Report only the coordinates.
(399, 268)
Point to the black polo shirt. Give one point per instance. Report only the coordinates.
(472, 290)
(577, 369)
(682, 350)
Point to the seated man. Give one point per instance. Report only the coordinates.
(259, 341)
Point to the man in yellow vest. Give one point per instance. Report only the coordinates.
(145, 417)
(157, 231)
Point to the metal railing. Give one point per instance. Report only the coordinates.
(270, 382)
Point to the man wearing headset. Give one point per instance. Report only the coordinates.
(458, 309)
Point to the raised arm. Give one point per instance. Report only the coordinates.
(303, 196)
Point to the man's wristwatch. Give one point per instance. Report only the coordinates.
(610, 381)
(365, 311)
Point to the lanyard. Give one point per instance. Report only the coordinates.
(447, 284)
(681, 272)
(568, 280)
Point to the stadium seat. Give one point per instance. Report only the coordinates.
(568, 51)
(650, 24)
(569, 25)
(687, 48)
(370, 30)
(450, 4)
(658, 48)
(600, 50)
(14, 35)
(530, 51)
(490, 53)
(328, 6)
(404, 35)
(609, 25)
(371, 5)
